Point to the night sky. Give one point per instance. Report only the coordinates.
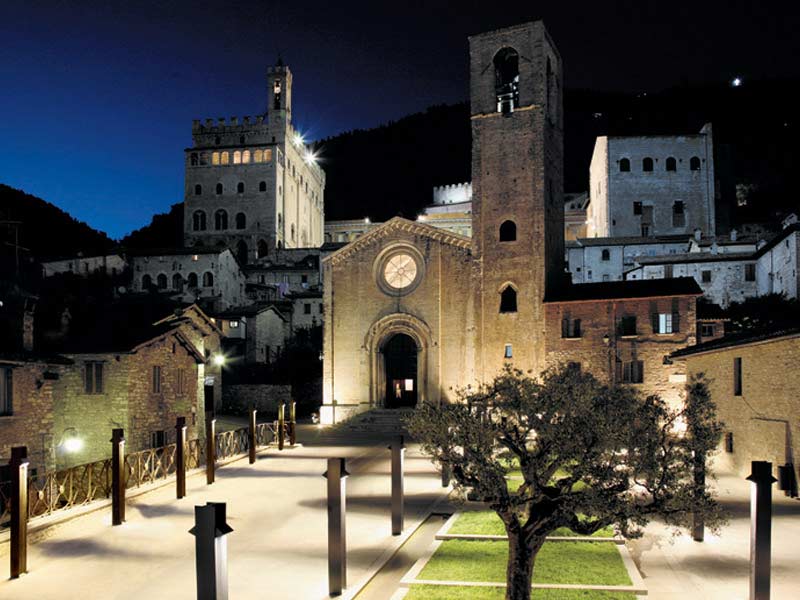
(97, 98)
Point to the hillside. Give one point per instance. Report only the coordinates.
(164, 231)
(44, 231)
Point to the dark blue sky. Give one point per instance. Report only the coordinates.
(97, 98)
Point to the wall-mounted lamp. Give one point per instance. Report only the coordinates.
(70, 441)
(218, 359)
(606, 339)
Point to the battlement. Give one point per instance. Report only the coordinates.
(222, 126)
(453, 193)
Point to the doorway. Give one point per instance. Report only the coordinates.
(400, 354)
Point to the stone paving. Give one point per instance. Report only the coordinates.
(277, 508)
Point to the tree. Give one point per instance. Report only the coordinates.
(591, 456)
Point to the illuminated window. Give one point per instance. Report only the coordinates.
(509, 352)
(624, 165)
(246, 156)
(237, 157)
(225, 158)
(672, 164)
(258, 156)
(694, 163)
(268, 155)
(234, 324)
(508, 300)
(508, 231)
(215, 158)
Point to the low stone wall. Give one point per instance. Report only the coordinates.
(264, 398)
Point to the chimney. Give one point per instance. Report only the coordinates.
(27, 327)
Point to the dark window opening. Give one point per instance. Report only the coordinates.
(606, 254)
(627, 325)
(220, 220)
(707, 330)
(647, 164)
(194, 159)
(705, 276)
(570, 328)
(240, 188)
(93, 378)
(678, 214)
(306, 309)
(241, 221)
(156, 379)
(219, 189)
(508, 231)
(637, 208)
(161, 281)
(633, 371)
(198, 189)
(199, 221)
(6, 392)
(624, 165)
(737, 376)
(508, 300)
(750, 272)
(208, 279)
(262, 186)
(694, 163)
(191, 280)
(729, 442)
(672, 164)
(158, 439)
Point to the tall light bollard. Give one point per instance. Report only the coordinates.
(337, 543)
(211, 447)
(281, 425)
(398, 449)
(180, 457)
(117, 476)
(251, 436)
(211, 551)
(760, 528)
(292, 423)
(19, 511)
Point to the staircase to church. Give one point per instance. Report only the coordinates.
(379, 420)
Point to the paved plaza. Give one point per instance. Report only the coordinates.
(278, 548)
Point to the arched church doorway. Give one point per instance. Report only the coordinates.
(400, 354)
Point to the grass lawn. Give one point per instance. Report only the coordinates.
(557, 562)
(441, 592)
(486, 522)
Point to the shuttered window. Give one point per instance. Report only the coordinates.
(93, 378)
(737, 376)
(6, 391)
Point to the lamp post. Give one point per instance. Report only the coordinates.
(117, 476)
(337, 544)
(760, 528)
(19, 511)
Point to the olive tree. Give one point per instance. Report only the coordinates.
(590, 455)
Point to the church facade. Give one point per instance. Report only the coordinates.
(413, 312)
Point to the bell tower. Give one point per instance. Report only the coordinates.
(517, 205)
(279, 96)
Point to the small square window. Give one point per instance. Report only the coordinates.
(706, 276)
(509, 352)
(233, 324)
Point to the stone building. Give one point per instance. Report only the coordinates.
(652, 185)
(209, 275)
(778, 262)
(256, 333)
(109, 264)
(254, 185)
(576, 206)
(414, 311)
(751, 382)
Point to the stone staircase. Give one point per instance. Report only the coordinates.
(379, 420)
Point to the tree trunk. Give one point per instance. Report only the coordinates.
(519, 572)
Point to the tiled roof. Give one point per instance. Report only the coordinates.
(737, 339)
(639, 288)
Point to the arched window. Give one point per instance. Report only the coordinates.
(237, 157)
(246, 156)
(219, 189)
(262, 248)
(506, 80)
(191, 280)
(262, 186)
(624, 165)
(508, 300)
(258, 156)
(208, 279)
(147, 282)
(225, 158)
(241, 221)
(161, 281)
(508, 231)
(194, 161)
(215, 158)
(268, 153)
(672, 164)
(240, 188)
(220, 220)
(647, 164)
(177, 282)
(199, 221)
(241, 252)
(606, 254)
(198, 189)
(694, 163)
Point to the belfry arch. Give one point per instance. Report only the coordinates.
(379, 338)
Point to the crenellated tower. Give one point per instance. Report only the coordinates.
(517, 165)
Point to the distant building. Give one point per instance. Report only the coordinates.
(652, 185)
(253, 185)
(211, 276)
(575, 211)
(108, 264)
(258, 333)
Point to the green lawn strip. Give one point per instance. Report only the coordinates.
(577, 563)
(486, 522)
(443, 592)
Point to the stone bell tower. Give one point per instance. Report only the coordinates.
(518, 214)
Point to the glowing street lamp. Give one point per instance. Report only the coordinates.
(219, 360)
(299, 140)
(310, 157)
(70, 441)
(736, 82)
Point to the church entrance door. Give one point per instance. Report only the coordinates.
(400, 353)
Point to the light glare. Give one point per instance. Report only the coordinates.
(219, 360)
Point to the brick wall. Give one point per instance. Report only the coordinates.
(265, 398)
